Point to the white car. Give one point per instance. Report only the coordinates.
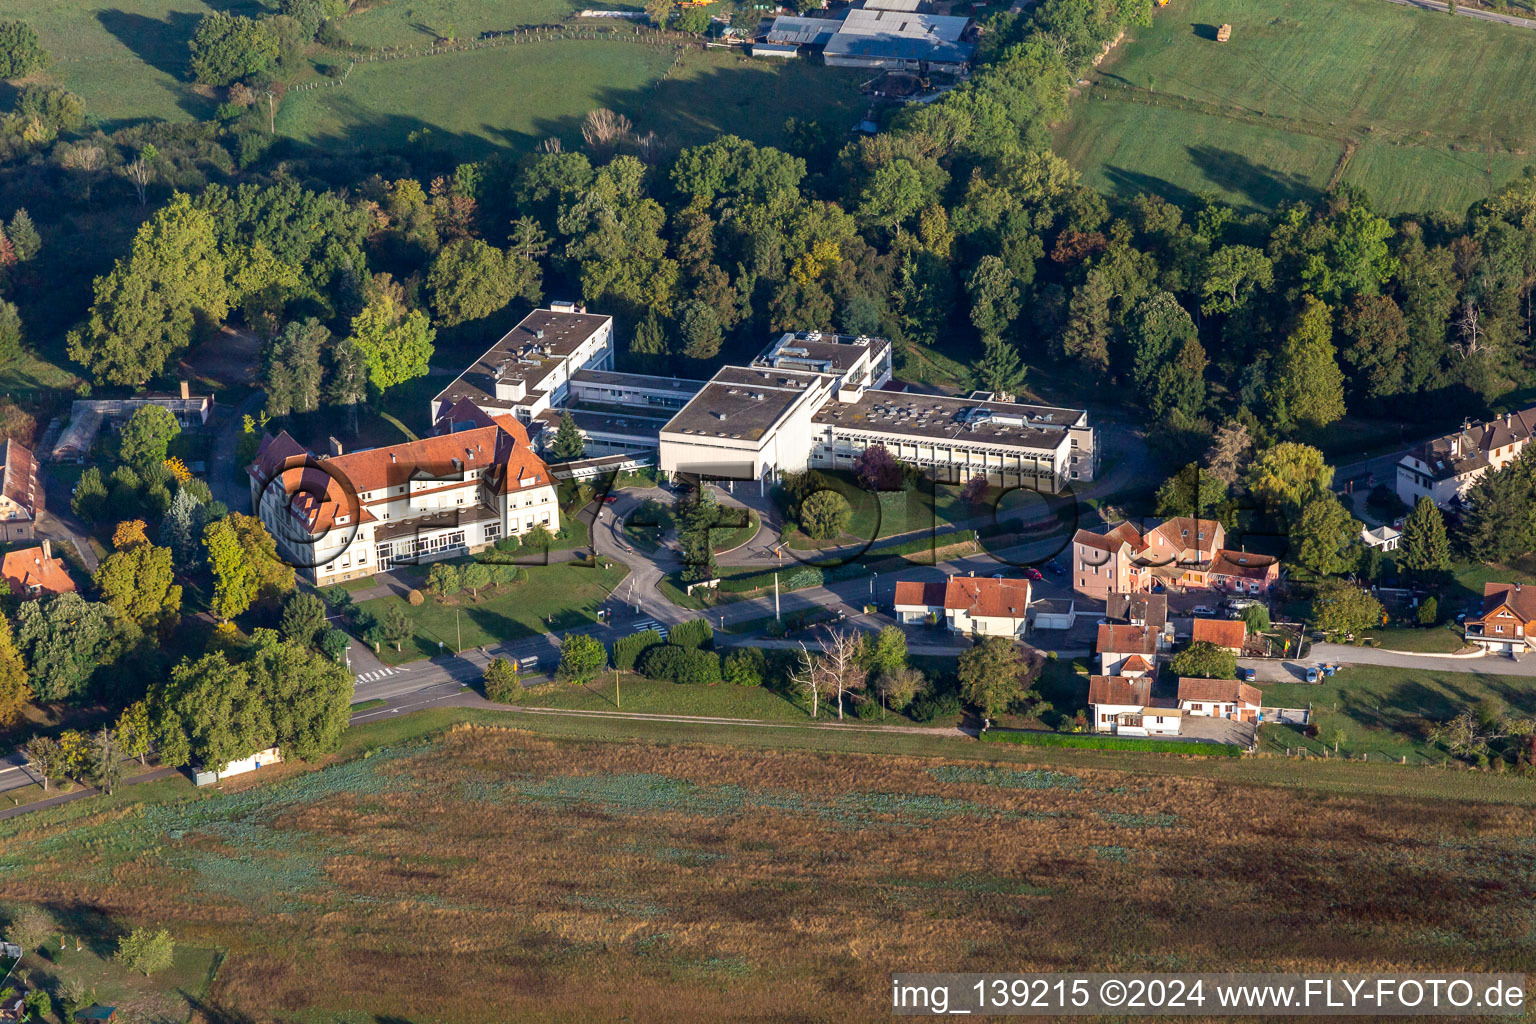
(1202, 609)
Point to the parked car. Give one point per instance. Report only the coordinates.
(1057, 569)
(1033, 574)
(1247, 675)
(1203, 609)
(609, 499)
(1312, 674)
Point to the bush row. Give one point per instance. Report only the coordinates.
(1056, 739)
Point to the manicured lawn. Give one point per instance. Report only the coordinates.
(1389, 711)
(1436, 639)
(727, 538)
(557, 596)
(926, 507)
(1420, 109)
(651, 696)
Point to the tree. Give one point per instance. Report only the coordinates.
(1256, 618)
(1376, 335)
(303, 619)
(898, 689)
(396, 345)
(1306, 384)
(1232, 274)
(825, 514)
(306, 696)
(1424, 550)
(888, 654)
(274, 576)
(291, 373)
(134, 733)
(1001, 370)
(569, 442)
(1230, 453)
(25, 240)
(20, 51)
(347, 378)
(395, 626)
(698, 324)
(180, 527)
(470, 280)
(993, 674)
(146, 309)
(104, 766)
(1192, 491)
(10, 333)
(1326, 538)
(895, 192)
(147, 436)
(46, 758)
(1429, 611)
(1500, 525)
(648, 345)
(475, 577)
(745, 666)
(836, 670)
(443, 579)
(234, 579)
(1204, 660)
(138, 581)
(994, 297)
(14, 691)
(146, 951)
(1288, 475)
(207, 712)
(229, 47)
(1341, 607)
(65, 639)
(501, 682)
(90, 497)
(581, 658)
(877, 469)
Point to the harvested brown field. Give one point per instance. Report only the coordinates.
(492, 874)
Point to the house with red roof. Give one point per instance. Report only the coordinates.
(1504, 624)
(1227, 633)
(1127, 650)
(1220, 698)
(345, 516)
(1182, 553)
(34, 572)
(20, 492)
(973, 605)
(1124, 706)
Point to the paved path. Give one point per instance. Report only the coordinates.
(224, 477)
(81, 792)
(1469, 12)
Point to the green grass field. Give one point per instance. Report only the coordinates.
(1422, 110)
(570, 593)
(528, 92)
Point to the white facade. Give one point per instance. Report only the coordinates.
(260, 759)
(1135, 720)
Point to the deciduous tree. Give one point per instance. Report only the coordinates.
(396, 345)
(993, 674)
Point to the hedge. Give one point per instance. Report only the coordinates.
(680, 665)
(1056, 739)
(693, 634)
(628, 649)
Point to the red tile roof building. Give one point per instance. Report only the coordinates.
(974, 605)
(351, 515)
(1504, 624)
(20, 492)
(34, 572)
(1181, 553)
(1220, 698)
(1125, 706)
(1228, 633)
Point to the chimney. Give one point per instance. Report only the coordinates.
(48, 551)
(186, 390)
(539, 333)
(333, 448)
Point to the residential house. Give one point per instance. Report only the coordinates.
(34, 572)
(1220, 698)
(1504, 624)
(1177, 554)
(1125, 706)
(1141, 609)
(1230, 634)
(1445, 468)
(343, 516)
(1126, 650)
(975, 606)
(1383, 537)
(1241, 572)
(14, 1006)
(19, 492)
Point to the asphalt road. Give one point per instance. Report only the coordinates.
(1469, 12)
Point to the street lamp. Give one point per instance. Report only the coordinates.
(872, 577)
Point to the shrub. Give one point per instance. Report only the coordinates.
(699, 668)
(808, 576)
(146, 951)
(661, 662)
(338, 596)
(824, 515)
(501, 683)
(746, 666)
(930, 708)
(1429, 611)
(334, 644)
(628, 649)
(581, 658)
(866, 708)
(415, 597)
(695, 633)
(681, 665)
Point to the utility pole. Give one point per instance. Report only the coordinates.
(617, 701)
(776, 614)
(459, 629)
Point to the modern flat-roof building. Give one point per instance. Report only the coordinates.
(528, 370)
(899, 40)
(807, 400)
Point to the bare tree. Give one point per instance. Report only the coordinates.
(604, 131)
(551, 145)
(1470, 329)
(841, 665)
(141, 172)
(807, 675)
(647, 147)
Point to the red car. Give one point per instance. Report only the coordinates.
(1033, 574)
(609, 499)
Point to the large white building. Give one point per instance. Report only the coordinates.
(345, 516)
(808, 400)
(1445, 468)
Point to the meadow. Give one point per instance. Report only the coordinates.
(578, 880)
(1422, 110)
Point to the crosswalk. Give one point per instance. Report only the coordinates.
(368, 677)
(645, 624)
